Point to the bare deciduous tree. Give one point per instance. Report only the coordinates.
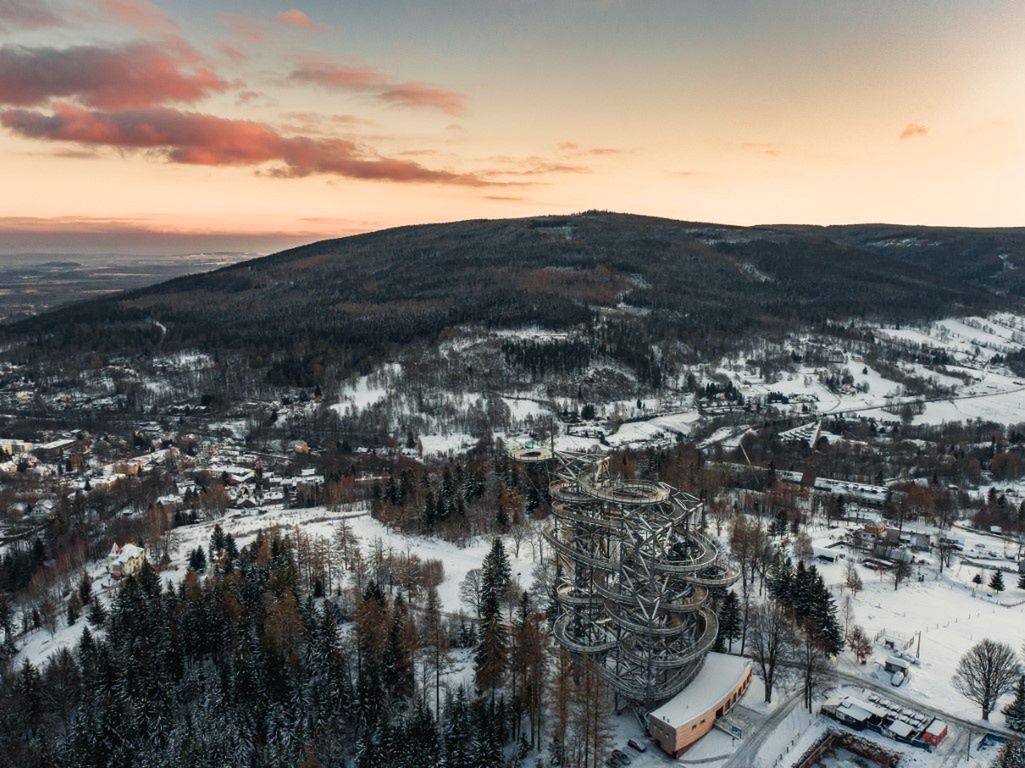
(469, 590)
(988, 671)
(771, 643)
(851, 577)
(859, 644)
(812, 661)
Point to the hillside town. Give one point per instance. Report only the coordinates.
(894, 532)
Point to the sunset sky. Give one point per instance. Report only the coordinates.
(139, 128)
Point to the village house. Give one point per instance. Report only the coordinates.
(55, 449)
(14, 447)
(125, 561)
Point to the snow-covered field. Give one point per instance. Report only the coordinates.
(951, 614)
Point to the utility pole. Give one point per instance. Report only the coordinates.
(918, 650)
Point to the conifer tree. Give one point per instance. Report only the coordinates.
(822, 615)
(197, 560)
(216, 542)
(781, 579)
(74, 608)
(492, 649)
(85, 589)
(1012, 755)
(457, 736)
(397, 661)
(1014, 713)
(729, 619)
(97, 614)
(996, 581)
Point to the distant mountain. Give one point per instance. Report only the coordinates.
(346, 303)
(989, 258)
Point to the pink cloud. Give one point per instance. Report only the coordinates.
(136, 75)
(245, 28)
(422, 95)
(366, 79)
(913, 130)
(197, 139)
(139, 15)
(339, 76)
(231, 52)
(295, 18)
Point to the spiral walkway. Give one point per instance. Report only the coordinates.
(635, 579)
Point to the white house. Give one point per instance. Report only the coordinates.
(126, 560)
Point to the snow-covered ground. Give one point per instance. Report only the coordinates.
(38, 644)
(950, 613)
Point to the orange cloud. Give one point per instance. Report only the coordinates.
(191, 138)
(136, 75)
(295, 18)
(572, 148)
(912, 130)
(762, 148)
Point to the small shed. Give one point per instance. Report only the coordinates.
(826, 555)
(935, 733)
(896, 664)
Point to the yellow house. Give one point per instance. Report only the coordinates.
(690, 714)
(126, 560)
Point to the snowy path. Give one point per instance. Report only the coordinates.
(746, 756)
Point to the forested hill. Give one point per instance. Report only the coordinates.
(355, 299)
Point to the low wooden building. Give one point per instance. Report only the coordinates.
(679, 723)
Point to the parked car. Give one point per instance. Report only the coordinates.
(637, 745)
(622, 756)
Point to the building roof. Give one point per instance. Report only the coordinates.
(55, 444)
(125, 553)
(936, 727)
(854, 712)
(900, 728)
(853, 705)
(720, 674)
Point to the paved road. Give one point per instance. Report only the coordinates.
(744, 756)
(957, 749)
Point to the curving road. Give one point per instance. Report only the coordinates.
(744, 757)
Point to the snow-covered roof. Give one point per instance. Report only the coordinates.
(900, 728)
(859, 708)
(719, 675)
(125, 553)
(55, 444)
(936, 727)
(853, 711)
